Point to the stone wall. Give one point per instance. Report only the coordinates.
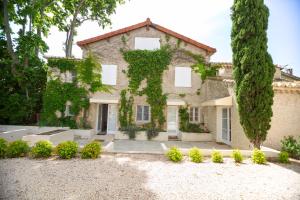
(286, 118)
(108, 52)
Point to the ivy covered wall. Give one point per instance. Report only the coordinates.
(60, 94)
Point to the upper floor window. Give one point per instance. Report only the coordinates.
(143, 113)
(69, 76)
(145, 43)
(183, 77)
(109, 74)
(194, 114)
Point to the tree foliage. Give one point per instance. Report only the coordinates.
(253, 68)
(74, 12)
(23, 25)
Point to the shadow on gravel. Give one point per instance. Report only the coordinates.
(103, 178)
(291, 166)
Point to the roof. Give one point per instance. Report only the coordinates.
(147, 23)
(290, 76)
(226, 101)
(277, 85)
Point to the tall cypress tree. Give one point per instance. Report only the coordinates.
(253, 68)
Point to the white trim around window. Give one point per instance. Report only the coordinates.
(143, 113)
(194, 114)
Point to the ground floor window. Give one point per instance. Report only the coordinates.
(194, 114)
(143, 113)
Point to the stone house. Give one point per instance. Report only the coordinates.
(210, 102)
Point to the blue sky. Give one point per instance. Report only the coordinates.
(207, 21)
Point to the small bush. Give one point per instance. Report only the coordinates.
(152, 133)
(196, 155)
(67, 150)
(174, 154)
(91, 150)
(216, 157)
(131, 131)
(17, 148)
(258, 157)
(237, 156)
(292, 146)
(42, 149)
(3, 147)
(283, 157)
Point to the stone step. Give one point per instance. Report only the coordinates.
(173, 138)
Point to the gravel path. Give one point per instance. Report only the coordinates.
(145, 177)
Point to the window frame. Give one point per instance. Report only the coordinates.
(67, 112)
(143, 108)
(186, 83)
(192, 110)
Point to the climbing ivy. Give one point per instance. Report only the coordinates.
(63, 64)
(54, 103)
(185, 125)
(89, 73)
(58, 93)
(125, 110)
(201, 67)
(184, 118)
(149, 66)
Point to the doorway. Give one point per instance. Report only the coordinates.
(226, 125)
(102, 118)
(172, 120)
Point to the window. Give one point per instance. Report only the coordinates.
(183, 77)
(109, 74)
(145, 43)
(69, 76)
(194, 114)
(67, 110)
(143, 113)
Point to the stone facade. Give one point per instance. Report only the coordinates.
(286, 108)
(108, 52)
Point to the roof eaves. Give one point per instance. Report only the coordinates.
(142, 24)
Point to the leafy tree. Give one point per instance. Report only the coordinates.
(22, 72)
(253, 68)
(75, 12)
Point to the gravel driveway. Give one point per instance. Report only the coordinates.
(145, 177)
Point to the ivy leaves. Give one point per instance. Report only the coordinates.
(149, 65)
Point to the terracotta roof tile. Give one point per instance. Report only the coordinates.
(143, 24)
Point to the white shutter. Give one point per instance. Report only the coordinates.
(109, 74)
(183, 77)
(145, 43)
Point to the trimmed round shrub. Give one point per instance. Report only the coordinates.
(237, 156)
(283, 157)
(217, 157)
(3, 147)
(67, 150)
(42, 149)
(196, 155)
(17, 148)
(91, 150)
(258, 157)
(174, 154)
